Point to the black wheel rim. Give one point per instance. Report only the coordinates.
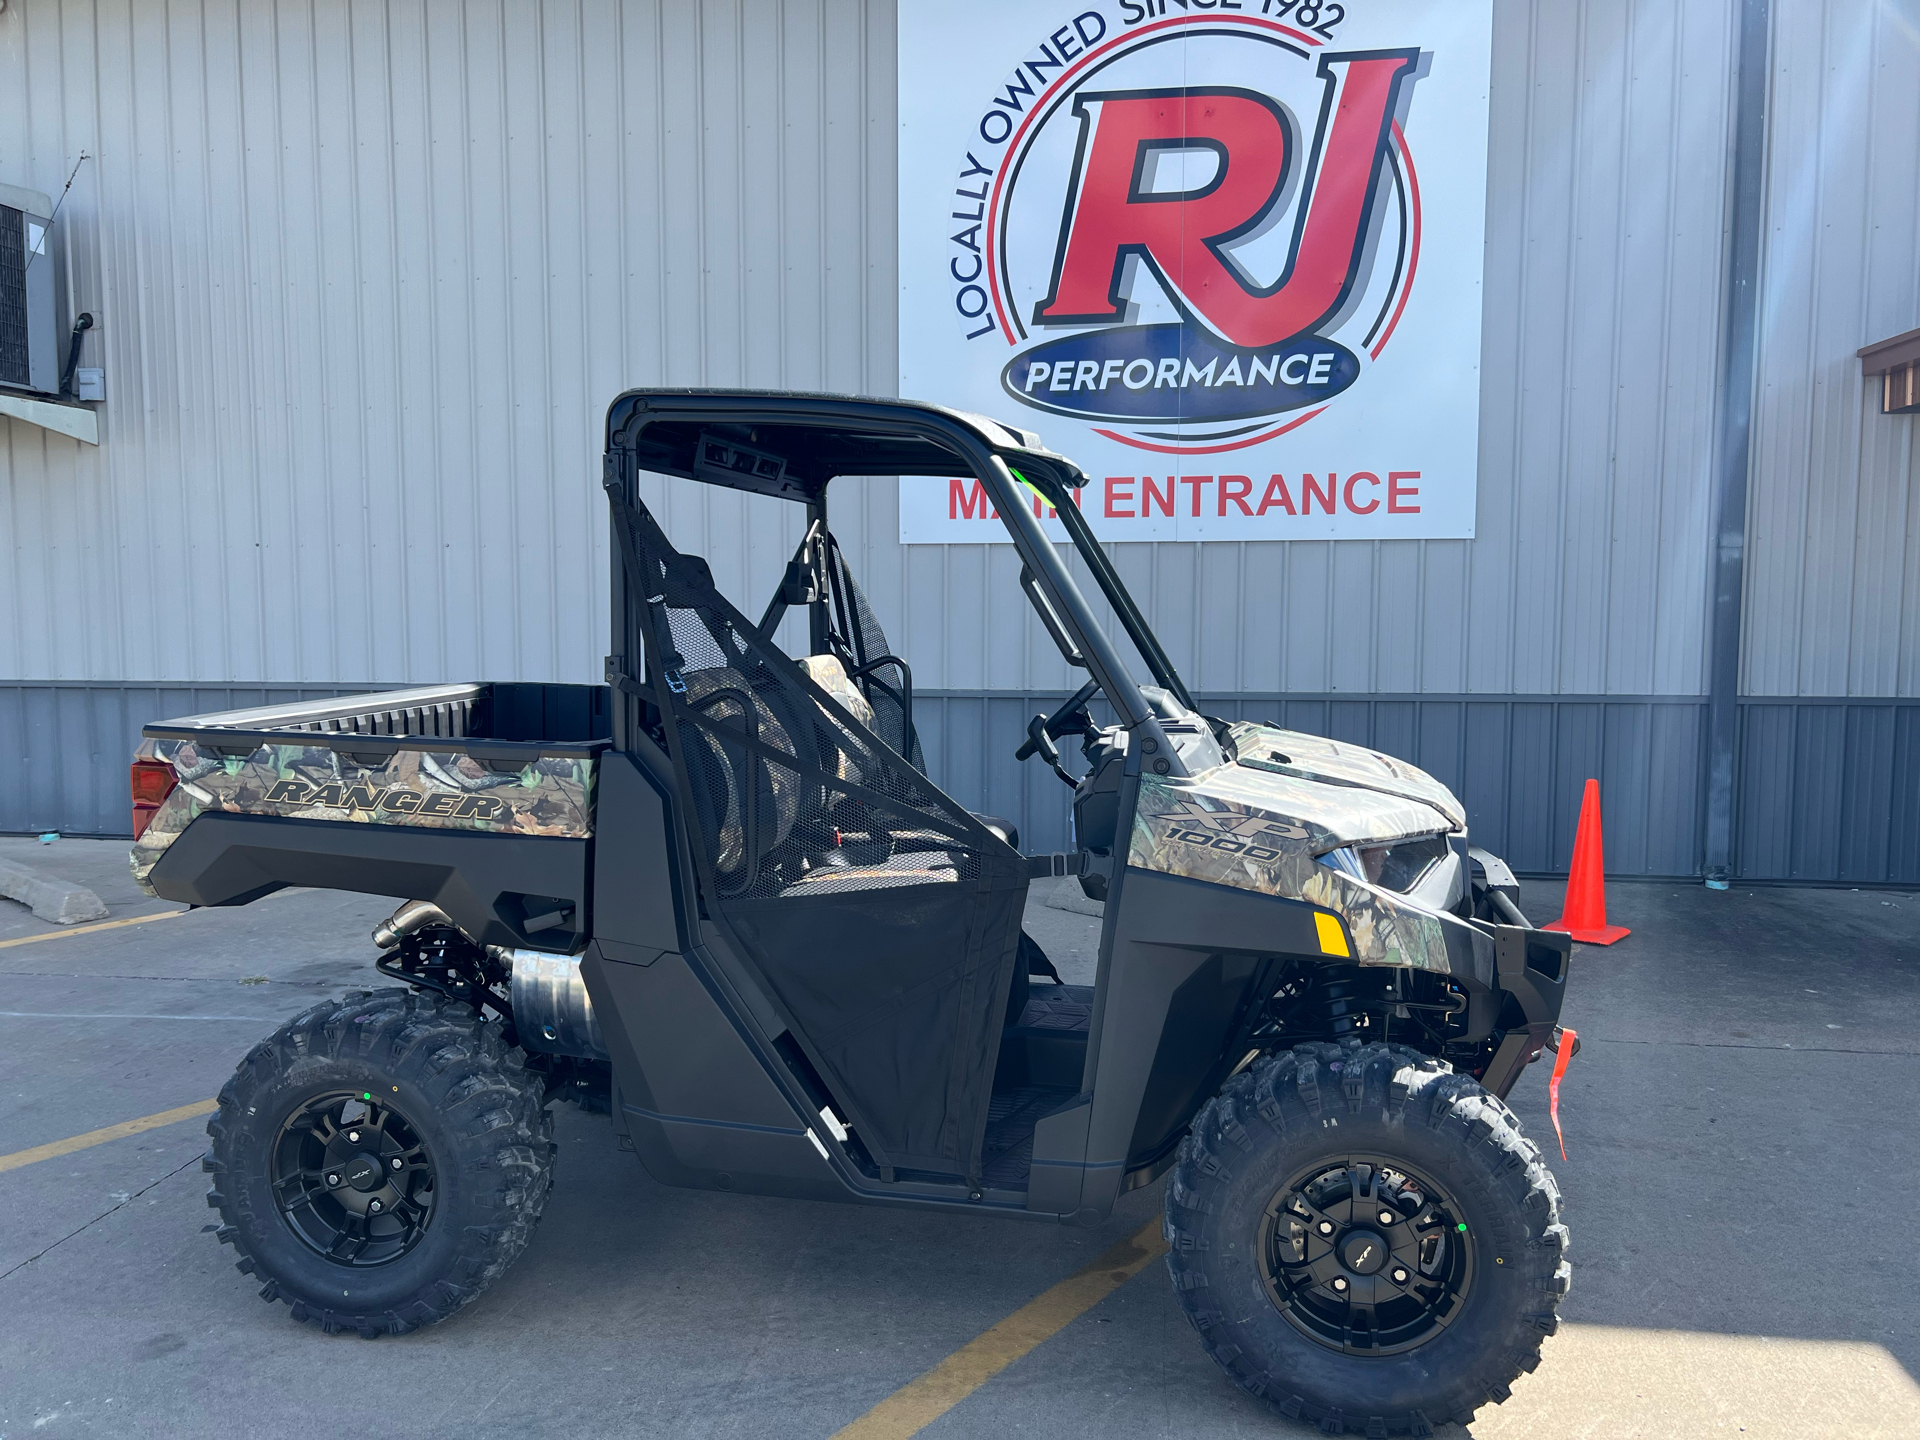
(1364, 1256)
(352, 1179)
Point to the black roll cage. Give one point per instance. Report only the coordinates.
(791, 445)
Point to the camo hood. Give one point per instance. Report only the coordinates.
(1262, 821)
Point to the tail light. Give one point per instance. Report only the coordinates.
(151, 781)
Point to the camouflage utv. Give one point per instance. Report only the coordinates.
(720, 898)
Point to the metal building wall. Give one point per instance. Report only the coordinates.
(367, 274)
(1830, 756)
(1833, 556)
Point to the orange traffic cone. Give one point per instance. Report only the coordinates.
(1586, 915)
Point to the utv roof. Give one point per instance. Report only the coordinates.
(790, 443)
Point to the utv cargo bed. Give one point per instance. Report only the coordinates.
(478, 797)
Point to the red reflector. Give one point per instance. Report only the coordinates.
(151, 782)
(1569, 1041)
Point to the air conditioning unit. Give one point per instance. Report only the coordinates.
(29, 340)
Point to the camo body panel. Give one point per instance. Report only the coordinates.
(434, 789)
(1384, 928)
(1261, 832)
(1313, 757)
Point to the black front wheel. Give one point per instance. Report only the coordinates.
(1365, 1240)
(380, 1160)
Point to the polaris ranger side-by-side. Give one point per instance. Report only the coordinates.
(720, 898)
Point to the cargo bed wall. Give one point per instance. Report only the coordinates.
(479, 797)
(516, 712)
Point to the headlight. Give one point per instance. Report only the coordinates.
(1397, 865)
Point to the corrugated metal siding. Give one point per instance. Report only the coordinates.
(1518, 763)
(1829, 790)
(367, 276)
(65, 748)
(1816, 799)
(1833, 534)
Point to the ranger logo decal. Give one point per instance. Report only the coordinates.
(395, 800)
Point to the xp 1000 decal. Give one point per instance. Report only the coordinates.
(1224, 253)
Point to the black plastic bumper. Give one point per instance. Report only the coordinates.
(1531, 966)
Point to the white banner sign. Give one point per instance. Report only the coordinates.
(1224, 254)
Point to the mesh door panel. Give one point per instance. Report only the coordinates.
(886, 685)
(793, 795)
(880, 915)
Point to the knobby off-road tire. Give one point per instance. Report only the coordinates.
(460, 1112)
(1302, 1113)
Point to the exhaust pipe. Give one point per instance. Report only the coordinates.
(552, 1012)
(408, 918)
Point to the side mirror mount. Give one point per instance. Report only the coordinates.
(1040, 743)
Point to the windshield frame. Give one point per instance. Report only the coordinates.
(1058, 495)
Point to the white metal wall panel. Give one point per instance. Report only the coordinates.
(367, 275)
(1833, 531)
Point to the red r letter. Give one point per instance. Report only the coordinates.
(1111, 215)
(1235, 488)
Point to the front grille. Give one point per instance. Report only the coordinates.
(15, 366)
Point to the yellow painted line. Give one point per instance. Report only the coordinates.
(90, 929)
(913, 1407)
(112, 1132)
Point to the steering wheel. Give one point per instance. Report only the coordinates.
(1070, 719)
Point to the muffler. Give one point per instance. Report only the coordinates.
(551, 1008)
(552, 1012)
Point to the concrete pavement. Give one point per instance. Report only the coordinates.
(1740, 1126)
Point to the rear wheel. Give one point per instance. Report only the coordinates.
(1365, 1240)
(379, 1161)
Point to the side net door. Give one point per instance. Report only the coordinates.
(882, 917)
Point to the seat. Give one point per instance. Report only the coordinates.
(746, 820)
(830, 675)
(1005, 829)
(880, 675)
